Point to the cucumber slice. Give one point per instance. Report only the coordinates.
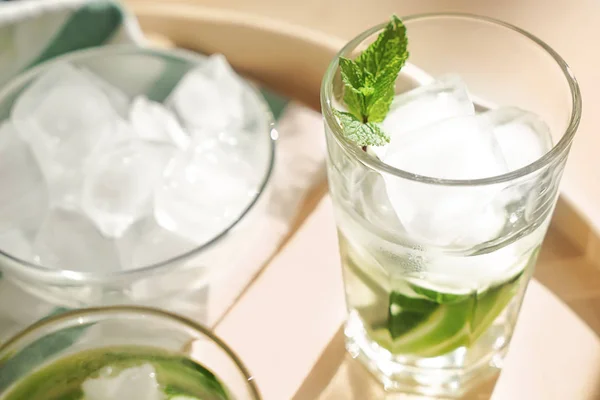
(444, 330)
(430, 328)
(440, 297)
(405, 313)
(491, 303)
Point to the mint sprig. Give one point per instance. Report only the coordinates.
(369, 85)
(363, 134)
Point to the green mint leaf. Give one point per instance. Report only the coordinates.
(390, 43)
(383, 93)
(378, 136)
(352, 73)
(369, 84)
(354, 80)
(384, 59)
(363, 134)
(355, 102)
(380, 106)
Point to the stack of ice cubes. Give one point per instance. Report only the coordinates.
(436, 132)
(93, 180)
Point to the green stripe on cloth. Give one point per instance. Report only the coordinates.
(91, 25)
(164, 85)
(276, 102)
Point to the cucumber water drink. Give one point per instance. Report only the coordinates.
(416, 299)
(116, 373)
(443, 180)
(121, 353)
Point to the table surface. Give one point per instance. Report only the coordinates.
(287, 324)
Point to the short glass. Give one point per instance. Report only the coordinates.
(110, 328)
(182, 270)
(420, 317)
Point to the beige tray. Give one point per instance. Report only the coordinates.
(554, 354)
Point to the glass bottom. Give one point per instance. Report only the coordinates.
(450, 376)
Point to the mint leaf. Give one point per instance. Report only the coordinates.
(390, 43)
(369, 134)
(369, 85)
(379, 107)
(384, 59)
(379, 103)
(352, 73)
(353, 78)
(378, 136)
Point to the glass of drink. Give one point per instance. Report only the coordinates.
(121, 353)
(439, 230)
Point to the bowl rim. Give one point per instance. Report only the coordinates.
(83, 316)
(159, 267)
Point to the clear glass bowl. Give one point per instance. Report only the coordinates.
(91, 329)
(153, 73)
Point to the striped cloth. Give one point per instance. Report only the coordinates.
(34, 31)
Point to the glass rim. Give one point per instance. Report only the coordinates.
(82, 316)
(375, 164)
(179, 54)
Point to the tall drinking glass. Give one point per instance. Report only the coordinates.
(434, 313)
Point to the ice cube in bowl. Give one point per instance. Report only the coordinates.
(114, 164)
(63, 115)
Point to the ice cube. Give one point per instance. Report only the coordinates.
(63, 115)
(131, 383)
(147, 243)
(154, 122)
(372, 200)
(444, 98)
(67, 191)
(23, 198)
(523, 136)
(123, 132)
(118, 99)
(119, 184)
(204, 190)
(456, 148)
(460, 148)
(498, 265)
(68, 240)
(210, 96)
